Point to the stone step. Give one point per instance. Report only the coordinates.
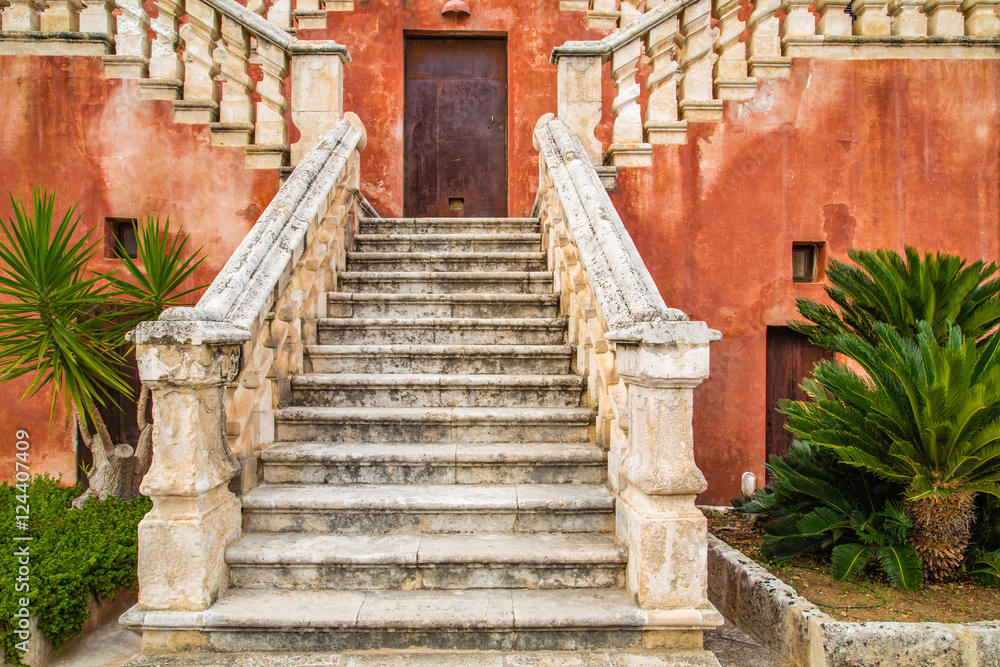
(434, 390)
(548, 359)
(428, 508)
(411, 562)
(466, 243)
(301, 424)
(446, 261)
(446, 282)
(442, 330)
(434, 463)
(346, 304)
(448, 225)
(495, 619)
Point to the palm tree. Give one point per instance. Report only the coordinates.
(925, 416)
(62, 324)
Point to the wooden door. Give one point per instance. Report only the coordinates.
(790, 359)
(455, 119)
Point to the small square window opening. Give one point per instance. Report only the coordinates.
(804, 260)
(120, 238)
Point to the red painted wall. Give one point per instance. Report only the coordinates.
(373, 80)
(851, 153)
(94, 141)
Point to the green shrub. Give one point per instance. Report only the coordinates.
(75, 554)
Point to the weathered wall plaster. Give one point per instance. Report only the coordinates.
(66, 127)
(851, 153)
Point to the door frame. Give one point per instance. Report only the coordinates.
(499, 35)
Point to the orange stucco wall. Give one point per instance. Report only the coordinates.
(373, 81)
(849, 153)
(65, 127)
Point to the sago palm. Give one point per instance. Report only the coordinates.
(942, 290)
(925, 416)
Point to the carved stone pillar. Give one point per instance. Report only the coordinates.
(981, 18)
(317, 91)
(833, 20)
(873, 18)
(602, 15)
(182, 540)
(907, 18)
(98, 16)
(579, 100)
(663, 124)
(627, 147)
(697, 60)
(731, 79)
(166, 70)
(661, 364)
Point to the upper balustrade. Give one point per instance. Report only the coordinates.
(702, 52)
(217, 61)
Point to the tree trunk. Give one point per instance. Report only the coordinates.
(942, 528)
(113, 468)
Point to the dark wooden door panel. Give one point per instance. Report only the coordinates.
(455, 124)
(790, 359)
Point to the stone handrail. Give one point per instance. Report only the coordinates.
(704, 52)
(184, 61)
(642, 361)
(219, 370)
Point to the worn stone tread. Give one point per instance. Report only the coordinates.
(376, 380)
(435, 415)
(439, 358)
(571, 549)
(431, 497)
(446, 452)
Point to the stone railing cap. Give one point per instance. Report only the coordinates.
(188, 332)
(619, 38)
(319, 48)
(683, 332)
(257, 25)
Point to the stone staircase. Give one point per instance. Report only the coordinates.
(433, 480)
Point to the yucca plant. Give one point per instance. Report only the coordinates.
(854, 518)
(925, 416)
(62, 324)
(940, 289)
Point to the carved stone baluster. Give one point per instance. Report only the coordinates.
(697, 60)
(981, 18)
(579, 100)
(308, 14)
(280, 14)
(201, 92)
(944, 19)
(873, 18)
(798, 30)
(97, 16)
(627, 148)
(574, 5)
(764, 44)
(131, 59)
(270, 147)
(629, 11)
(61, 16)
(731, 79)
(602, 15)
(236, 110)
(23, 15)
(833, 20)
(166, 70)
(907, 18)
(662, 119)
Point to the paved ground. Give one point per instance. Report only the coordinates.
(111, 645)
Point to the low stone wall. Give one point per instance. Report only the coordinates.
(765, 607)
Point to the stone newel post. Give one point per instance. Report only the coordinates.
(661, 364)
(187, 359)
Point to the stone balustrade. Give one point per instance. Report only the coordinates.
(218, 63)
(695, 54)
(219, 370)
(642, 362)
